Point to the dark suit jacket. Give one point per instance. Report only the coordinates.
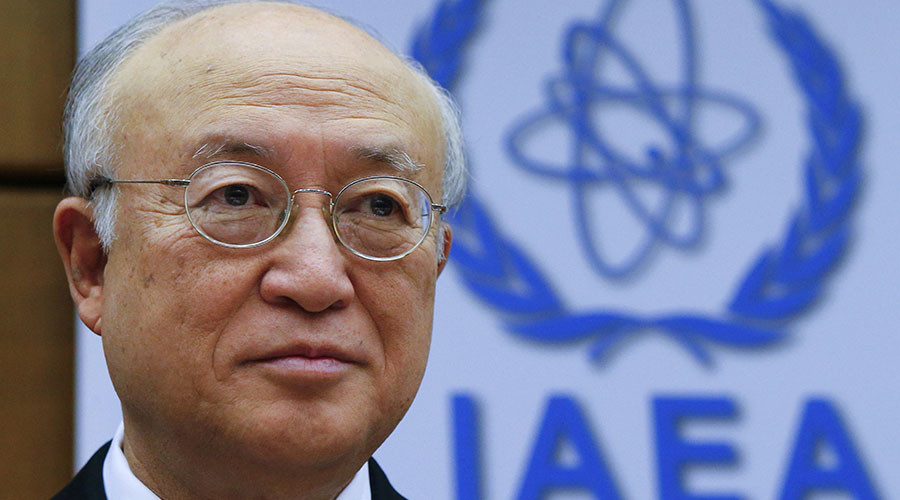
(88, 483)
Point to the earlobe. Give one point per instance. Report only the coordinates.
(447, 233)
(83, 257)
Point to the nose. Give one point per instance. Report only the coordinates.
(307, 266)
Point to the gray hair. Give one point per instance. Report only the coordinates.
(90, 151)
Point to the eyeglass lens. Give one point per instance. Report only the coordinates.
(243, 205)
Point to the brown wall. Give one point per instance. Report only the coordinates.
(37, 40)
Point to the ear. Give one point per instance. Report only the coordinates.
(83, 257)
(448, 239)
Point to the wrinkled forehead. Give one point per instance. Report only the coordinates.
(249, 59)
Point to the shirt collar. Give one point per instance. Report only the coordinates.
(121, 484)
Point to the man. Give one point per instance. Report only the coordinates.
(255, 236)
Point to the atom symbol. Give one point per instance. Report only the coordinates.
(680, 169)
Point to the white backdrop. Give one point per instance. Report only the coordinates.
(842, 349)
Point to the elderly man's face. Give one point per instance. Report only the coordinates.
(297, 350)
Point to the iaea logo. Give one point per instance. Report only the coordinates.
(681, 168)
(786, 278)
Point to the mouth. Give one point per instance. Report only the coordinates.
(302, 364)
(305, 362)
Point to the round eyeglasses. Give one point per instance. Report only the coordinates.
(240, 205)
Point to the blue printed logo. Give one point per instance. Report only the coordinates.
(679, 167)
(783, 282)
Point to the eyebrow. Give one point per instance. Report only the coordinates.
(394, 157)
(228, 147)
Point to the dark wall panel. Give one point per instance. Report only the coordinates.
(37, 50)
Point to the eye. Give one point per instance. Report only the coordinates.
(236, 195)
(378, 200)
(382, 205)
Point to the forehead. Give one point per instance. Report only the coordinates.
(285, 77)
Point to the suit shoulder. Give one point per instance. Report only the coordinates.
(88, 483)
(381, 487)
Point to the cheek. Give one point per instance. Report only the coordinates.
(164, 308)
(399, 297)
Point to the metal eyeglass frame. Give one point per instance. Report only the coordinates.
(440, 208)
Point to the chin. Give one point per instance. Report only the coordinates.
(314, 435)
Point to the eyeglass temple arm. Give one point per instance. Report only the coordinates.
(440, 208)
(104, 181)
(167, 182)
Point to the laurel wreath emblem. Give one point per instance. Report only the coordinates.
(784, 281)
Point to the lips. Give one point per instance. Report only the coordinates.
(304, 361)
(308, 351)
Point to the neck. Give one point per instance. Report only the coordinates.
(174, 471)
